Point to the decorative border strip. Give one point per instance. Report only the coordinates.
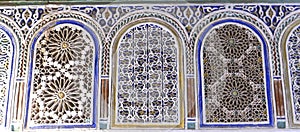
(11, 75)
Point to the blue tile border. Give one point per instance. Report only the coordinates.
(11, 69)
(267, 70)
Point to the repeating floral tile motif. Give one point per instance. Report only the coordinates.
(234, 89)
(187, 15)
(271, 15)
(147, 88)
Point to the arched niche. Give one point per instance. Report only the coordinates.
(147, 76)
(233, 76)
(289, 48)
(63, 77)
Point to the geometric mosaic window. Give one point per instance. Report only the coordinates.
(6, 60)
(293, 51)
(62, 84)
(147, 77)
(233, 77)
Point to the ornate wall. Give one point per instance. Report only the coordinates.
(184, 65)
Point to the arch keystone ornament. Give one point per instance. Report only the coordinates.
(234, 76)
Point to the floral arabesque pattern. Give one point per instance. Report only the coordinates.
(65, 44)
(147, 88)
(234, 90)
(233, 42)
(236, 93)
(63, 77)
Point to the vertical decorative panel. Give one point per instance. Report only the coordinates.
(19, 101)
(63, 81)
(191, 103)
(234, 83)
(191, 110)
(279, 103)
(6, 68)
(104, 98)
(148, 90)
(279, 98)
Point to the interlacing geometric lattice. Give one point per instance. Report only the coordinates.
(147, 88)
(293, 51)
(234, 89)
(6, 53)
(62, 82)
